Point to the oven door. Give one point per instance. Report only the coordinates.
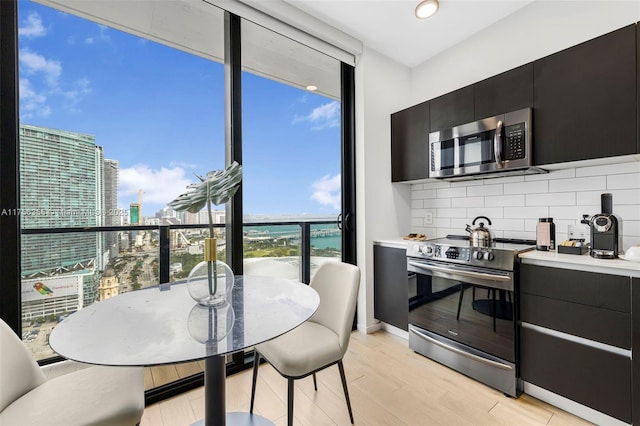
(471, 306)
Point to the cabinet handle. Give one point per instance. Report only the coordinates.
(497, 144)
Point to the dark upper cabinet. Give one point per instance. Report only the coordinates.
(452, 109)
(509, 91)
(585, 100)
(410, 143)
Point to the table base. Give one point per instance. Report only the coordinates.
(242, 419)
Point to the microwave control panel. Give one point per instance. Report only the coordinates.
(514, 142)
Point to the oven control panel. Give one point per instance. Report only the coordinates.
(478, 256)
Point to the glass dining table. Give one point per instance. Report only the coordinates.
(164, 325)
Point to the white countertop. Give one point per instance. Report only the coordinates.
(554, 260)
(581, 263)
(393, 242)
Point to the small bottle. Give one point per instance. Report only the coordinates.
(545, 234)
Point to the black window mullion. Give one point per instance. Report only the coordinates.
(9, 167)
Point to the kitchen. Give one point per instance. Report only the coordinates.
(571, 188)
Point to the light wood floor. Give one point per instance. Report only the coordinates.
(388, 384)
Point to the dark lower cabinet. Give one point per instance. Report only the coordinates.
(390, 286)
(585, 100)
(410, 143)
(580, 305)
(592, 377)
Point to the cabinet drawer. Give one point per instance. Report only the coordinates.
(592, 377)
(601, 325)
(611, 292)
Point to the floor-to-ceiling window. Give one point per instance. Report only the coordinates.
(291, 109)
(116, 118)
(119, 108)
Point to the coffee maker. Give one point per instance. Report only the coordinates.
(606, 231)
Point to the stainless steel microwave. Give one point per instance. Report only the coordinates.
(492, 147)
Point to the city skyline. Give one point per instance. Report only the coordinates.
(159, 113)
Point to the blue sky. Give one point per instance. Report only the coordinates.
(159, 112)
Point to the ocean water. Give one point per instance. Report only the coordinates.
(331, 241)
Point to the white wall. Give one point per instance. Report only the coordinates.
(514, 204)
(383, 209)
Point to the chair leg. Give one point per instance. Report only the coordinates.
(290, 402)
(344, 386)
(460, 300)
(315, 384)
(256, 363)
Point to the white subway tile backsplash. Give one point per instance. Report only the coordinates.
(515, 203)
(436, 184)
(495, 189)
(490, 212)
(589, 198)
(551, 199)
(623, 181)
(609, 169)
(527, 187)
(508, 224)
(423, 194)
(578, 184)
(505, 201)
(631, 227)
(625, 196)
(438, 203)
(452, 192)
(467, 202)
(569, 212)
(452, 212)
(525, 212)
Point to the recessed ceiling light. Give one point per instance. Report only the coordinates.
(426, 8)
(312, 88)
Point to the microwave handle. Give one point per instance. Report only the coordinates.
(497, 145)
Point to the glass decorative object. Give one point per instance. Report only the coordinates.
(211, 280)
(211, 324)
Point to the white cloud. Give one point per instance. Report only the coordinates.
(322, 117)
(326, 191)
(32, 103)
(32, 26)
(41, 83)
(34, 63)
(159, 186)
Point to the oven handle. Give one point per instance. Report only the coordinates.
(460, 351)
(451, 272)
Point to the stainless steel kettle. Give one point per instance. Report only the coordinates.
(480, 236)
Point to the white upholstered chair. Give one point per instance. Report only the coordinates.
(91, 396)
(322, 340)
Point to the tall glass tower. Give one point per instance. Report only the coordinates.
(61, 185)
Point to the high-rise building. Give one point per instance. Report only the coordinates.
(111, 212)
(61, 185)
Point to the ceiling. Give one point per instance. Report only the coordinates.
(391, 28)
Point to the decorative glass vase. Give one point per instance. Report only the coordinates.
(211, 324)
(211, 280)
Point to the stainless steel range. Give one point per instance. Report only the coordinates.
(463, 307)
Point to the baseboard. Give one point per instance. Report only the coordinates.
(395, 330)
(570, 406)
(368, 329)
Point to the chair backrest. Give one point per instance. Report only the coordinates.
(337, 285)
(19, 372)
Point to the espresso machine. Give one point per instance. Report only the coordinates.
(606, 231)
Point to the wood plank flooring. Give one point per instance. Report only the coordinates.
(389, 384)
